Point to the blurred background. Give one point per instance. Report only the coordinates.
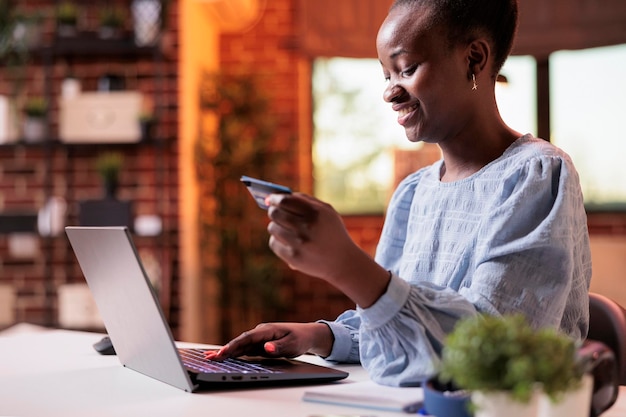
(145, 113)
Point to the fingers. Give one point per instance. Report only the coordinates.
(292, 208)
(291, 221)
(246, 343)
(284, 250)
(256, 342)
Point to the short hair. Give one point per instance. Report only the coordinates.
(463, 20)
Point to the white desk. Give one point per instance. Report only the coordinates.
(57, 373)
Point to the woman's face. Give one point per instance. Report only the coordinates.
(428, 80)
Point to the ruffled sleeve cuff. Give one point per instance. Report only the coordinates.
(342, 345)
(387, 306)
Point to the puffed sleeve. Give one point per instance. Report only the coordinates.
(532, 252)
(530, 256)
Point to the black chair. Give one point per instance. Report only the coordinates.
(607, 324)
(604, 351)
(599, 361)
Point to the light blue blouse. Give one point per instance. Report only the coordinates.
(510, 238)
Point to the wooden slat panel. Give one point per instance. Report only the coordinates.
(348, 27)
(547, 26)
(340, 27)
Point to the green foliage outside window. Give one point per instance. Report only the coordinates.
(234, 239)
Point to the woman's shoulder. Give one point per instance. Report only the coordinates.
(534, 165)
(529, 146)
(529, 151)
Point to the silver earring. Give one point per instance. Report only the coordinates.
(474, 85)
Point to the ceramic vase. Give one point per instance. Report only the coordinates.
(109, 32)
(34, 129)
(146, 21)
(500, 404)
(27, 34)
(110, 188)
(65, 30)
(445, 399)
(575, 403)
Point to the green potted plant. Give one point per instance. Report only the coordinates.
(35, 111)
(7, 21)
(109, 166)
(19, 33)
(66, 18)
(514, 370)
(36, 106)
(111, 22)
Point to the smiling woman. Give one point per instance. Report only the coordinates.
(495, 226)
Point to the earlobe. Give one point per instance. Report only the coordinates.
(479, 52)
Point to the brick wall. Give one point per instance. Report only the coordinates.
(32, 173)
(267, 48)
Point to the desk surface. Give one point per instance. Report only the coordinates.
(57, 373)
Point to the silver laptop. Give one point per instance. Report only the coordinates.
(140, 334)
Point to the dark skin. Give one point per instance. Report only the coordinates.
(310, 236)
(433, 82)
(430, 85)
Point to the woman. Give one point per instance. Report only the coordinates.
(497, 226)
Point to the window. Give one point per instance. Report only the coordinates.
(516, 96)
(359, 150)
(587, 115)
(353, 135)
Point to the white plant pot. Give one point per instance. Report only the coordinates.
(575, 403)
(108, 32)
(27, 34)
(65, 30)
(34, 129)
(501, 404)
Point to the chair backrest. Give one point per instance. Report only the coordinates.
(598, 359)
(607, 324)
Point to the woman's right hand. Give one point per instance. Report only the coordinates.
(310, 236)
(278, 340)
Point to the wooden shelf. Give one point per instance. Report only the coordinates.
(89, 44)
(56, 143)
(18, 222)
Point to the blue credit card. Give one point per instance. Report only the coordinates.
(260, 189)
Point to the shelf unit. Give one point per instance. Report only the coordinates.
(68, 167)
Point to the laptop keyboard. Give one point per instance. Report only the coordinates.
(194, 359)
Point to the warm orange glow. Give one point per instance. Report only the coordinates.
(198, 52)
(232, 15)
(200, 23)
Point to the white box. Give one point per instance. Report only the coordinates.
(7, 305)
(77, 308)
(100, 117)
(8, 121)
